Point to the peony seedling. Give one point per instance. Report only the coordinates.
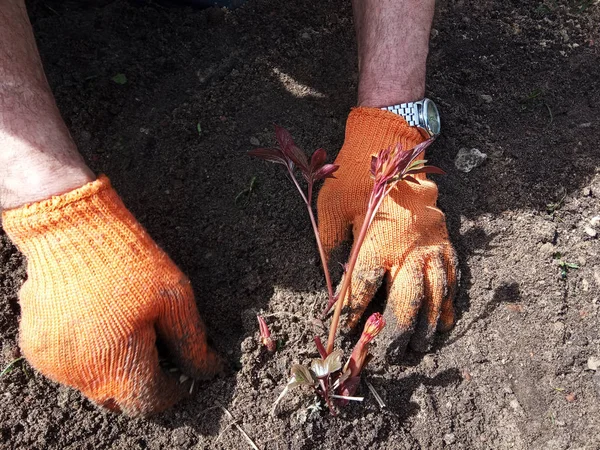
(334, 383)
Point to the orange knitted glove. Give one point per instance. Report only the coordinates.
(99, 292)
(407, 241)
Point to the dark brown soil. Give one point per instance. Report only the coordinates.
(512, 374)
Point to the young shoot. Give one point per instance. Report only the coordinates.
(327, 377)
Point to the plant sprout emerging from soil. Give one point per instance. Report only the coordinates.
(333, 382)
(265, 335)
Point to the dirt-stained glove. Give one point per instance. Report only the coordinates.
(99, 292)
(407, 241)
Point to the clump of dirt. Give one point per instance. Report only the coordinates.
(519, 82)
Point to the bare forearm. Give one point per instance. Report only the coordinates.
(38, 158)
(393, 42)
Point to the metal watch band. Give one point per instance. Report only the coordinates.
(407, 110)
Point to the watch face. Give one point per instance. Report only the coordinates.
(432, 117)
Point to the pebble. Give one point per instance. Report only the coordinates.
(590, 232)
(546, 231)
(254, 141)
(547, 249)
(466, 160)
(449, 438)
(593, 363)
(586, 191)
(595, 221)
(486, 98)
(429, 362)
(514, 404)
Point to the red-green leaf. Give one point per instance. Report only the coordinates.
(270, 154)
(283, 136)
(411, 179)
(325, 172)
(334, 361)
(298, 157)
(301, 375)
(427, 169)
(373, 165)
(291, 150)
(317, 160)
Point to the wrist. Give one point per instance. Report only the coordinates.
(379, 93)
(29, 180)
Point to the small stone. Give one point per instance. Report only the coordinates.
(254, 141)
(585, 125)
(466, 160)
(466, 375)
(593, 363)
(586, 191)
(300, 417)
(547, 249)
(486, 98)
(595, 221)
(449, 438)
(590, 232)
(585, 285)
(429, 362)
(305, 36)
(514, 404)
(571, 397)
(546, 231)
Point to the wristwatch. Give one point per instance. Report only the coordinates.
(422, 114)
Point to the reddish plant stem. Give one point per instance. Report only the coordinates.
(319, 244)
(372, 208)
(313, 221)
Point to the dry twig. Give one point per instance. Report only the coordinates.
(375, 394)
(240, 429)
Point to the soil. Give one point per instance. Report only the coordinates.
(518, 80)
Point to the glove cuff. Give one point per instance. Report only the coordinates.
(91, 213)
(369, 130)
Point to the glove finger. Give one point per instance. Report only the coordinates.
(182, 331)
(367, 277)
(405, 295)
(436, 288)
(334, 225)
(447, 315)
(144, 388)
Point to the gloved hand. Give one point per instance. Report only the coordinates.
(407, 241)
(99, 292)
